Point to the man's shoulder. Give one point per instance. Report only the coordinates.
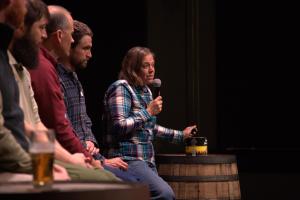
(44, 68)
(62, 72)
(44, 74)
(46, 59)
(44, 63)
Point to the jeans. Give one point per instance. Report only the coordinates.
(123, 175)
(146, 173)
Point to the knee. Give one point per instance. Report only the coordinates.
(165, 193)
(168, 194)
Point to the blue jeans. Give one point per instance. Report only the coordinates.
(123, 175)
(146, 173)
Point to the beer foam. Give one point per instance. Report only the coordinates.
(41, 148)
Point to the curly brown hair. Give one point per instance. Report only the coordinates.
(80, 30)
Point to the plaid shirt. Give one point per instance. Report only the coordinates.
(130, 129)
(75, 104)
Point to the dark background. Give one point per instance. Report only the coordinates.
(246, 84)
(256, 74)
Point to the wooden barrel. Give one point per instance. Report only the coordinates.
(200, 177)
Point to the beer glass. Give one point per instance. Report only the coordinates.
(42, 155)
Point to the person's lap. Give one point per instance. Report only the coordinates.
(122, 174)
(159, 189)
(77, 172)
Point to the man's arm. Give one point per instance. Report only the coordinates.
(13, 158)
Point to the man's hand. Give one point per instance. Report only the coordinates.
(60, 173)
(80, 159)
(96, 164)
(116, 162)
(90, 147)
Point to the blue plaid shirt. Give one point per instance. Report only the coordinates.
(76, 107)
(130, 129)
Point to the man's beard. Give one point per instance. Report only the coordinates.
(78, 65)
(26, 51)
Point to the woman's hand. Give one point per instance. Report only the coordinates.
(155, 106)
(187, 132)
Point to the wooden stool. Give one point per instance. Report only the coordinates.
(200, 177)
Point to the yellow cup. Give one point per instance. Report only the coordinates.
(196, 146)
(196, 150)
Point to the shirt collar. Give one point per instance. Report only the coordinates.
(63, 69)
(141, 89)
(47, 55)
(13, 62)
(66, 72)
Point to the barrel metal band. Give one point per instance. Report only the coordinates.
(204, 159)
(221, 178)
(221, 198)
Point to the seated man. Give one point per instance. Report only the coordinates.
(75, 101)
(25, 46)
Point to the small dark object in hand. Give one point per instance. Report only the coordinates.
(194, 131)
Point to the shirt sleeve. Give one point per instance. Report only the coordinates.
(168, 134)
(89, 134)
(13, 156)
(125, 119)
(52, 109)
(31, 95)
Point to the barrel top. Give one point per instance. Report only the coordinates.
(201, 159)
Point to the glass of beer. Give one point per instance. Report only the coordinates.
(42, 155)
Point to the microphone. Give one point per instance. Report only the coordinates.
(156, 83)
